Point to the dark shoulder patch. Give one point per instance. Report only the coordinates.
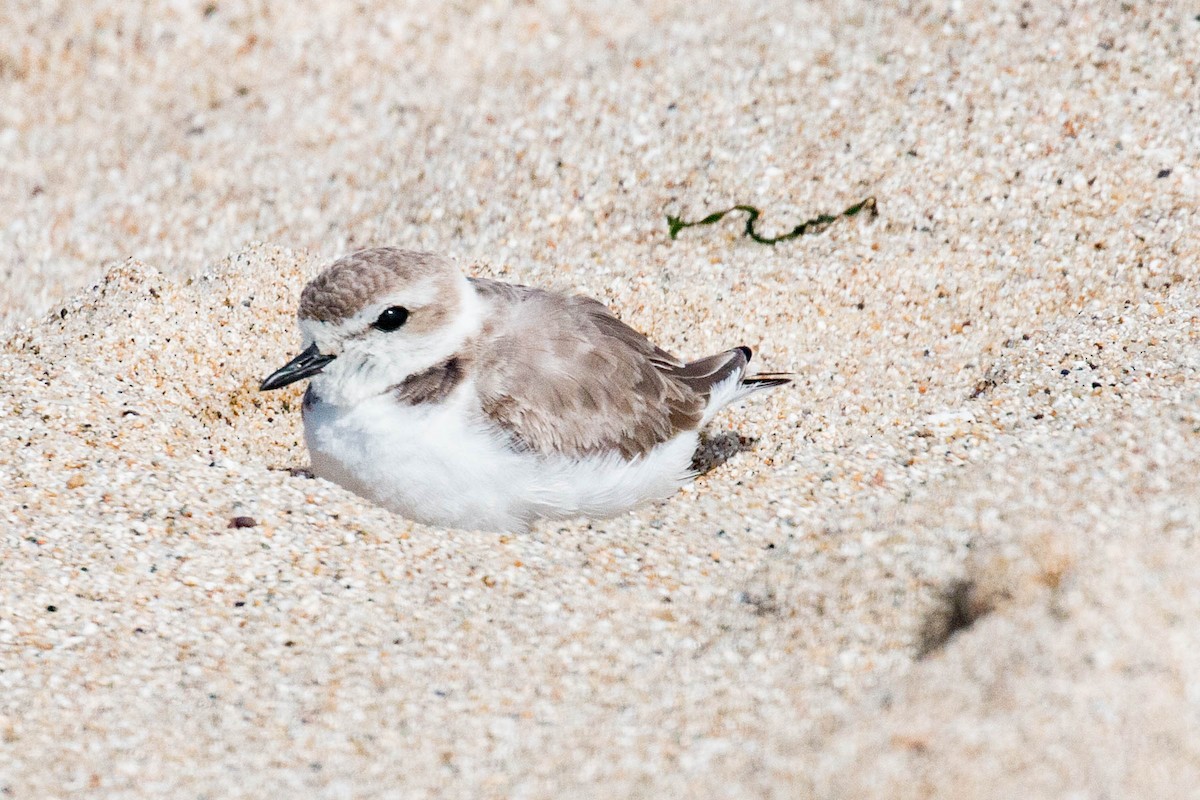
(434, 384)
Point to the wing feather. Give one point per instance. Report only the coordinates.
(563, 375)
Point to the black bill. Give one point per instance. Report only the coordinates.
(308, 363)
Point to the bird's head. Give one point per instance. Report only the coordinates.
(375, 317)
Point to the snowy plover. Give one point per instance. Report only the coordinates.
(470, 403)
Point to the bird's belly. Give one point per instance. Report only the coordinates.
(438, 464)
(426, 462)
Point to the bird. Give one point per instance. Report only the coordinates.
(466, 402)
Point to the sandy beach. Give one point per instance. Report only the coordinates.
(957, 558)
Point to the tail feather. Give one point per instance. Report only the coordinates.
(722, 377)
(767, 380)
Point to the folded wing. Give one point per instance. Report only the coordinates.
(563, 375)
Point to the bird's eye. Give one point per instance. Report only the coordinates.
(391, 319)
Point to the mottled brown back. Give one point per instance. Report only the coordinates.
(563, 375)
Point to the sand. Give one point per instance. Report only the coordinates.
(956, 559)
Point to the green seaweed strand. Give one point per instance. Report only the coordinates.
(817, 223)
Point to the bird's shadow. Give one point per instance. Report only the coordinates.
(295, 472)
(715, 449)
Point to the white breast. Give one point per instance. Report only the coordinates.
(440, 463)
